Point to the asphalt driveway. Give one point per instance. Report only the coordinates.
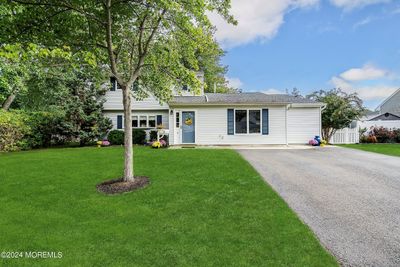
(349, 198)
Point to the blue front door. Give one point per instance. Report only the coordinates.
(188, 127)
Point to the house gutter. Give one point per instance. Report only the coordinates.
(320, 119)
(207, 104)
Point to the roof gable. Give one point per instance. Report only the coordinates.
(385, 117)
(387, 99)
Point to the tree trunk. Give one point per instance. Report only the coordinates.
(10, 99)
(327, 134)
(128, 166)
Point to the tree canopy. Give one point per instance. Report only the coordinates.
(159, 42)
(341, 109)
(163, 42)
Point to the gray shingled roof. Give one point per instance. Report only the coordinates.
(240, 98)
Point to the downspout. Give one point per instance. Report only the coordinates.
(286, 123)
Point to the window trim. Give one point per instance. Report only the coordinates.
(147, 121)
(248, 121)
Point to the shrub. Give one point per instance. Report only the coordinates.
(396, 135)
(153, 136)
(139, 137)
(362, 134)
(372, 139)
(116, 137)
(383, 135)
(363, 139)
(13, 128)
(47, 129)
(165, 138)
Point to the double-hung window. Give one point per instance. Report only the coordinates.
(254, 121)
(146, 121)
(152, 121)
(247, 121)
(135, 122)
(241, 121)
(143, 121)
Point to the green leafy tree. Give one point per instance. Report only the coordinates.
(78, 93)
(16, 65)
(214, 71)
(341, 109)
(156, 40)
(19, 63)
(84, 108)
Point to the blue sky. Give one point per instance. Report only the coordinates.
(314, 44)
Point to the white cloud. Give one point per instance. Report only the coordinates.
(351, 4)
(234, 82)
(352, 81)
(272, 91)
(373, 92)
(367, 72)
(257, 20)
(363, 22)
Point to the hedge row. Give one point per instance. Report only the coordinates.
(116, 137)
(380, 135)
(21, 130)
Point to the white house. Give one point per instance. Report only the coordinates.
(223, 119)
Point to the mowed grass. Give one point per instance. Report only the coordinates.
(203, 208)
(387, 149)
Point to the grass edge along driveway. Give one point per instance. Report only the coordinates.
(203, 208)
(386, 149)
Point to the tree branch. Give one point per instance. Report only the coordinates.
(144, 50)
(110, 50)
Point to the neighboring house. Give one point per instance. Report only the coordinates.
(223, 119)
(386, 115)
(391, 105)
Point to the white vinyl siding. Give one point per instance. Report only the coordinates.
(114, 102)
(212, 127)
(303, 124)
(392, 105)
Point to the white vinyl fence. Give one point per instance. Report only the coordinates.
(346, 136)
(351, 135)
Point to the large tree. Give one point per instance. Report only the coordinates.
(341, 109)
(20, 64)
(156, 40)
(214, 71)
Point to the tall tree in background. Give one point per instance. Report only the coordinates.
(214, 71)
(18, 63)
(341, 109)
(156, 40)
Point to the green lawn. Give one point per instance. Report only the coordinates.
(203, 208)
(387, 149)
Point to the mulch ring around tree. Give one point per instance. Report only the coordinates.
(118, 186)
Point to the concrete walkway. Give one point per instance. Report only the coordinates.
(349, 198)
